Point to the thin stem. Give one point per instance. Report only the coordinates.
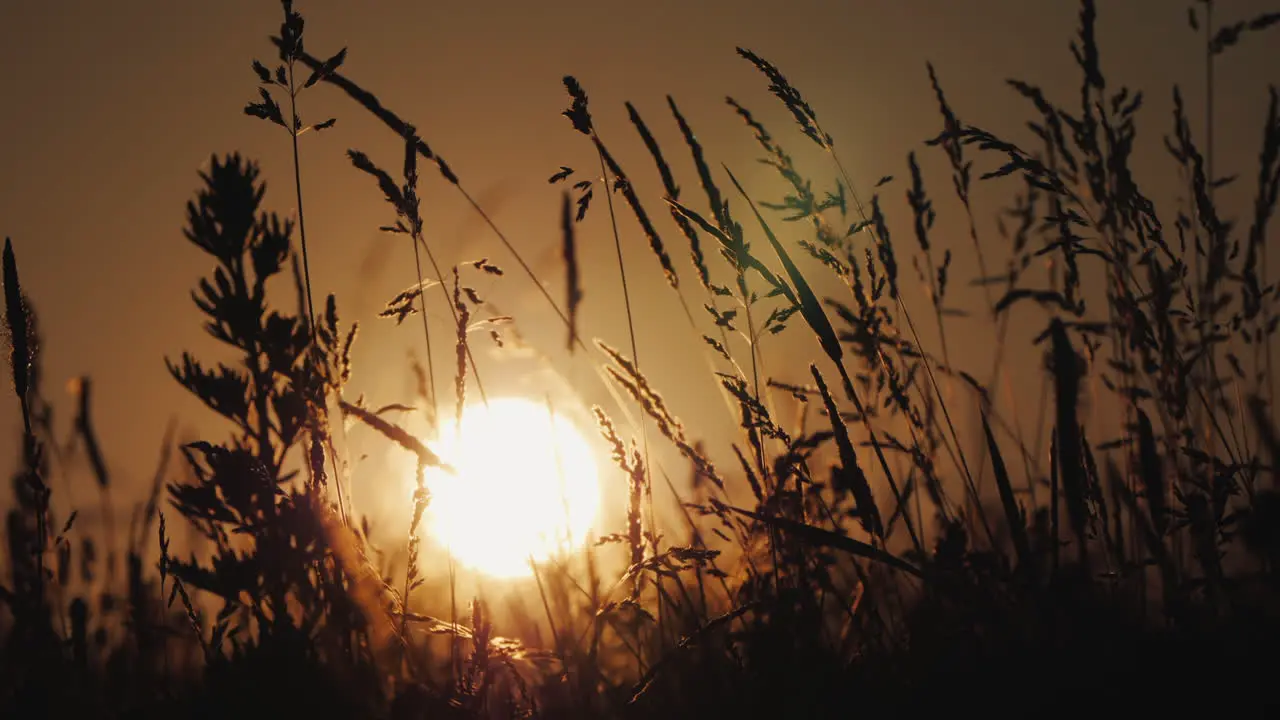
(1208, 152)
(706, 356)
(551, 622)
(454, 312)
(426, 331)
(622, 268)
(1208, 105)
(635, 354)
(306, 264)
(297, 185)
(455, 658)
(774, 539)
(902, 308)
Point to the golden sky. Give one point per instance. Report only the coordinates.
(110, 108)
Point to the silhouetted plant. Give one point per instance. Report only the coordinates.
(853, 559)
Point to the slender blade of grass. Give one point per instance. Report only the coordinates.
(1017, 523)
(833, 540)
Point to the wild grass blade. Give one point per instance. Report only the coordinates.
(821, 537)
(1013, 515)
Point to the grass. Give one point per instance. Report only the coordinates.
(860, 556)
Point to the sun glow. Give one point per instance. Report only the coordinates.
(526, 487)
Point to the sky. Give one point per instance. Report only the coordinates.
(111, 109)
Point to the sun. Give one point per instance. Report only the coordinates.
(525, 486)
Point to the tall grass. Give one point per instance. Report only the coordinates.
(855, 558)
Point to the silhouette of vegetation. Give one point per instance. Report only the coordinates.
(861, 559)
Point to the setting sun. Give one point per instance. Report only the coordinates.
(526, 486)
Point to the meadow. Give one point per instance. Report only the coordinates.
(1084, 518)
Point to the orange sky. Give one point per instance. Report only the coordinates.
(111, 108)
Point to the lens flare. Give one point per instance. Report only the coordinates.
(526, 487)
